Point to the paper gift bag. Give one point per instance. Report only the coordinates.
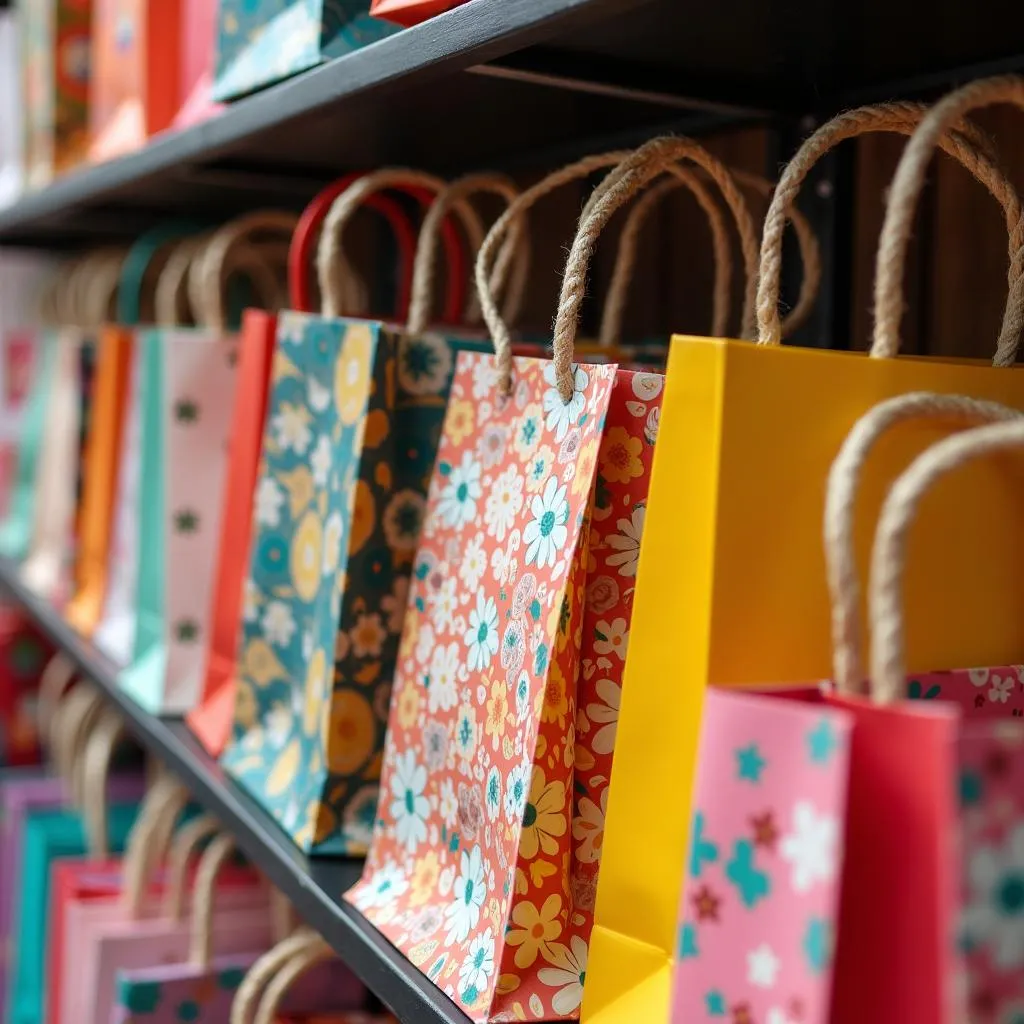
(134, 84)
(186, 399)
(198, 27)
(260, 43)
(16, 531)
(24, 652)
(348, 440)
(754, 427)
(211, 719)
(55, 78)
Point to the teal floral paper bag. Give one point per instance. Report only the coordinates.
(353, 423)
(260, 42)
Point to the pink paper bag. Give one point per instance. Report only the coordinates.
(758, 910)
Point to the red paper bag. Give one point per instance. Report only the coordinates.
(410, 12)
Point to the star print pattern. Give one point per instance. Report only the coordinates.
(753, 943)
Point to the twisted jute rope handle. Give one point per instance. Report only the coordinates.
(625, 260)
(840, 506)
(149, 840)
(246, 1001)
(171, 304)
(314, 951)
(330, 250)
(56, 677)
(899, 217)
(964, 141)
(70, 726)
(212, 862)
(95, 774)
(208, 269)
(889, 554)
(186, 845)
(514, 256)
(631, 175)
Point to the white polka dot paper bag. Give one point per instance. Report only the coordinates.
(186, 397)
(352, 425)
(758, 916)
(483, 866)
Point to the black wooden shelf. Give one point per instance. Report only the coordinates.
(500, 83)
(313, 885)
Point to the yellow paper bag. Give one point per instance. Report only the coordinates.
(731, 584)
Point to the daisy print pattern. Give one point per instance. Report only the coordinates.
(495, 689)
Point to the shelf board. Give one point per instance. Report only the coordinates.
(313, 885)
(500, 83)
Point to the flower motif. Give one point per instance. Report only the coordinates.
(538, 469)
(424, 880)
(251, 597)
(620, 456)
(588, 828)
(306, 562)
(515, 794)
(497, 712)
(403, 521)
(647, 386)
(569, 449)
(611, 637)
(544, 817)
(1001, 689)
(583, 479)
(394, 604)
(605, 715)
(278, 623)
(460, 421)
(435, 745)
(627, 542)
(468, 896)
(448, 804)
(320, 461)
(485, 378)
(491, 446)
(457, 505)
(561, 414)
(482, 635)
(528, 431)
(442, 691)
(384, 887)
(471, 813)
(466, 732)
(567, 974)
(492, 793)
(291, 428)
(407, 703)
(546, 534)
(762, 966)
(333, 532)
(269, 499)
(602, 594)
(978, 676)
(409, 806)
(477, 967)
(424, 364)
(513, 648)
(811, 847)
(994, 916)
(443, 603)
(531, 931)
(504, 500)
(368, 636)
(522, 696)
(474, 562)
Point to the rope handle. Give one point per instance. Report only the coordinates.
(517, 249)
(95, 774)
(965, 143)
(840, 507)
(56, 677)
(75, 717)
(207, 270)
(171, 302)
(247, 997)
(186, 845)
(311, 221)
(902, 201)
(888, 556)
(141, 257)
(632, 174)
(330, 249)
(214, 857)
(314, 951)
(149, 840)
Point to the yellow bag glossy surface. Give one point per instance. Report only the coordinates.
(732, 591)
(103, 447)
